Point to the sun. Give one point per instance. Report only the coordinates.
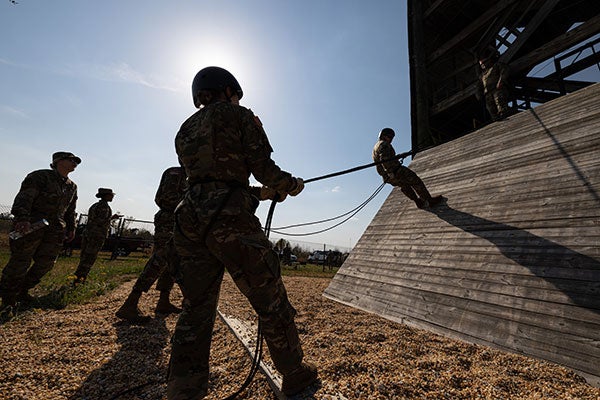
(220, 52)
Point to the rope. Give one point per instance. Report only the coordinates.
(353, 212)
(267, 228)
(399, 157)
(259, 335)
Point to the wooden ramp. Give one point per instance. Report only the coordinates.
(513, 259)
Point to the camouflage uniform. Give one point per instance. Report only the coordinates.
(394, 173)
(170, 192)
(215, 229)
(96, 229)
(496, 100)
(43, 194)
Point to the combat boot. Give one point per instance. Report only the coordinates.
(299, 379)
(129, 311)
(79, 280)
(25, 298)
(164, 305)
(421, 203)
(8, 301)
(434, 201)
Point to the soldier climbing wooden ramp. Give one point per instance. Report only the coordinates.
(512, 259)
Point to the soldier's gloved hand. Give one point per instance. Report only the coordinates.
(297, 188)
(267, 193)
(22, 226)
(69, 236)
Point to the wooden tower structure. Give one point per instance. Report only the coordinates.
(512, 259)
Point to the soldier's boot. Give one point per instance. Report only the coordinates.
(299, 379)
(79, 280)
(24, 297)
(410, 193)
(164, 305)
(435, 200)
(129, 311)
(8, 300)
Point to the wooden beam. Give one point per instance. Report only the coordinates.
(433, 7)
(532, 83)
(454, 99)
(419, 92)
(584, 31)
(470, 29)
(577, 66)
(533, 24)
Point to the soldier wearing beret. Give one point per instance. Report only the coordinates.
(49, 195)
(94, 235)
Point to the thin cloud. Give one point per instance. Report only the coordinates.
(13, 111)
(116, 72)
(123, 72)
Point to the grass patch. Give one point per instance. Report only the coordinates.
(56, 290)
(308, 270)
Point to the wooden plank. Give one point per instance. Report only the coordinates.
(504, 333)
(512, 260)
(521, 298)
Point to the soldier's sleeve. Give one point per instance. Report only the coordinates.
(104, 211)
(169, 192)
(255, 191)
(258, 155)
(387, 153)
(30, 189)
(70, 213)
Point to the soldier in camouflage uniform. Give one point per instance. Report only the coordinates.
(45, 194)
(216, 229)
(94, 235)
(394, 173)
(494, 85)
(170, 192)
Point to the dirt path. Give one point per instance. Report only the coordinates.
(85, 352)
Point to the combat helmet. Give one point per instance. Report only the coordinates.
(214, 78)
(387, 132)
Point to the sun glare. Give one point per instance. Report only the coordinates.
(197, 55)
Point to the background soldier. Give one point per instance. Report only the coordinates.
(170, 192)
(394, 173)
(94, 235)
(45, 194)
(215, 228)
(494, 84)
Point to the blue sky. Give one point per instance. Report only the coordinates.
(110, 81)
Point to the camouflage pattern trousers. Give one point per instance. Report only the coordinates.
(409, 182)
(163, 256)
(90, 247)
(496, 102)
(42, 247)
(207, 245)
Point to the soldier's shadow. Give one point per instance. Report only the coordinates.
(137, 370)
(574, 274)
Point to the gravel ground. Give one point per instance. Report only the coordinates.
(85, 352)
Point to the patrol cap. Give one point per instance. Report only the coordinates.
(62, 155)
(104, 192)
